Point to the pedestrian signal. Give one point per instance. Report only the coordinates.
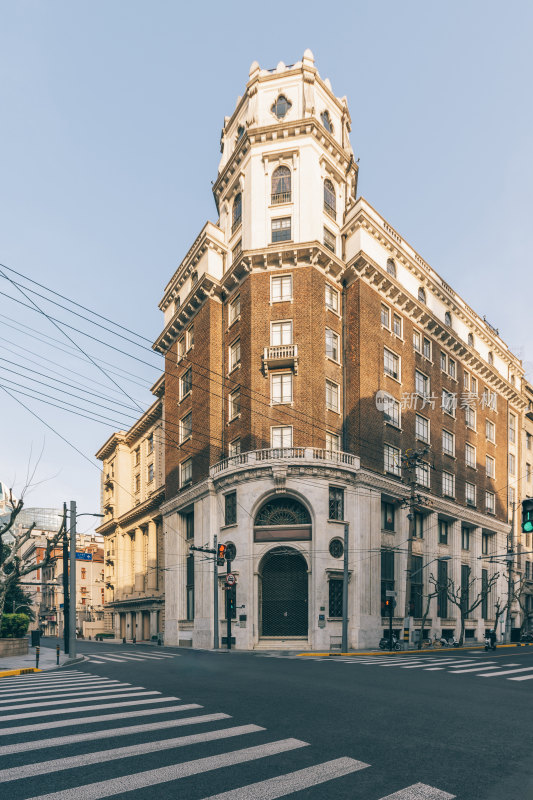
(221, 553)
(527, 515)
(390, 604)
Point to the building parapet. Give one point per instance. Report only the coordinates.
(302, 455)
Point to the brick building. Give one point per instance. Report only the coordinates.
(308, 348)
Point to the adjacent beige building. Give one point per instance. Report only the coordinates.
(132, 493)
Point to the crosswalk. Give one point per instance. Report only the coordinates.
(92, 754)
(469, 665)
(118, 656)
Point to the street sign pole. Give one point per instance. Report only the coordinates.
(66, 629)
(228, 607)
(215, 597)
(72, 605)
(344, 645)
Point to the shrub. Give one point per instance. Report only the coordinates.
(14, 626)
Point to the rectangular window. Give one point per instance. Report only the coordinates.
(512, 495)
(448, 484)
(421, 428)
(150, 473)
(417, 586)
(529, 440)
(137, 483)
(137, 456)
(330, 240)
(387, 575)
(470, 418)
(335, 597)
(512, 428)
(465, 588)
(489, 502)
(333, 442)
(332, 345)
(387, 516)
(449, 403)
(281, 288)
(186, 472)
(470, 494)
(484, 594)
(186, 427)
(236, 251)
(448, 443)
(234, 404)
(332, 396)
(490, 466)
(391, 364)
(417, 342)
(150, 444)
(190, 587)
(336, 503)
(427, 348)
(528, 471)
(528, 571)
(234, 309)
(234, 448)
(186, 383)
(465, 538)
(181, 348)
(442, 597)
(443, 361)
(392, 461)
(281, 436)
(385, 316)
(281, 230)
(473, 385)
(190, 337)
(391, 411)
(397, 325)
(421, 384)
(281, 333)
(281, 388)
(443, 531)
(230, 508)
(234, 354)
(490, 431)
(451, 368)
(512, 464)
(423, 475)
(332, 298)
(485, 544)
(470, 455)
(466, 381)
(419, 526)
(188, 519)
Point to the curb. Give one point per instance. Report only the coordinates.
(23, 671)
(29, 670)
(427, 651)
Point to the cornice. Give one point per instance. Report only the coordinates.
(154, 501)
(206, 287)
(110, 445)
(107, 527)
(150, 416)
(205, 240)
(159, 386)
(185, 497)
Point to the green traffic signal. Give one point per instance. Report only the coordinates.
(527, 515)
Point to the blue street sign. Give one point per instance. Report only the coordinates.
(84, 556)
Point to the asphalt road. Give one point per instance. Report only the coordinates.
(403, 727)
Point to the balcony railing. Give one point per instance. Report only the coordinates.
(280, 197)
(280, 355)
(308, 455)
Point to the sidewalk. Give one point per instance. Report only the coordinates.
(47, 660)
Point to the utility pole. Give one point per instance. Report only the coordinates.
(510, 579)
(229, 590)
(215, 597)
(72, 607)
(66, 610)
(344, 645)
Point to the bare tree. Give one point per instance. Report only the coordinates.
(463, 596)
(429, 597)
(12, 566)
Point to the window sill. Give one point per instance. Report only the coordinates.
(420, 439)
(338, 521)
(386, 530)
(229, 525)
(187, 439)
(328, 308)
(471, 429)
(333, 361)
(233, 369)
(449, 455)
(281, 242)
(237, 416)
(185, 396)
(237, 319)
(392, 425)
(281, 205)
(289, 403)
(396, 380)
(282, 300)
(333, 410)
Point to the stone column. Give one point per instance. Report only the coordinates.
(153, 623)
(152, 557)
(138, 571)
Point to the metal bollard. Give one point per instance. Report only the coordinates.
(37, 651)
(134, 640)
(123, 640)
(57, 654)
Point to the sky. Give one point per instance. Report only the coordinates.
(109, 140)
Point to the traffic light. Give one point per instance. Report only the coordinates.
(527, 515)
(221, 553)
(231, 599)
(389, 605)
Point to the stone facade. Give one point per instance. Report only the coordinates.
(308, 349)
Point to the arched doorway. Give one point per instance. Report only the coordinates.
(284, 593)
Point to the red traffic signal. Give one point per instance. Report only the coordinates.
(221, 554)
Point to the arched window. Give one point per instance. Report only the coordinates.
(471, 339)
(391, 267)
(194, 277)
(281, 106)
(240, 132)
(237, 212)
(330, 204)
(281, 186)
(282, 518)
(421, 295)
(326, 121)
(448, 319)
(490, 358)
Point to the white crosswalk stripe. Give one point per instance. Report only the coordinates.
(138, 739)
(121, 656)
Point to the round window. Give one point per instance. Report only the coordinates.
(231, 552)
(336, 548)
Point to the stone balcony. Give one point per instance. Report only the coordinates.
(289, 456)
(280, 355)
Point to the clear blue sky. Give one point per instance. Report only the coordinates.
(110, 121)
